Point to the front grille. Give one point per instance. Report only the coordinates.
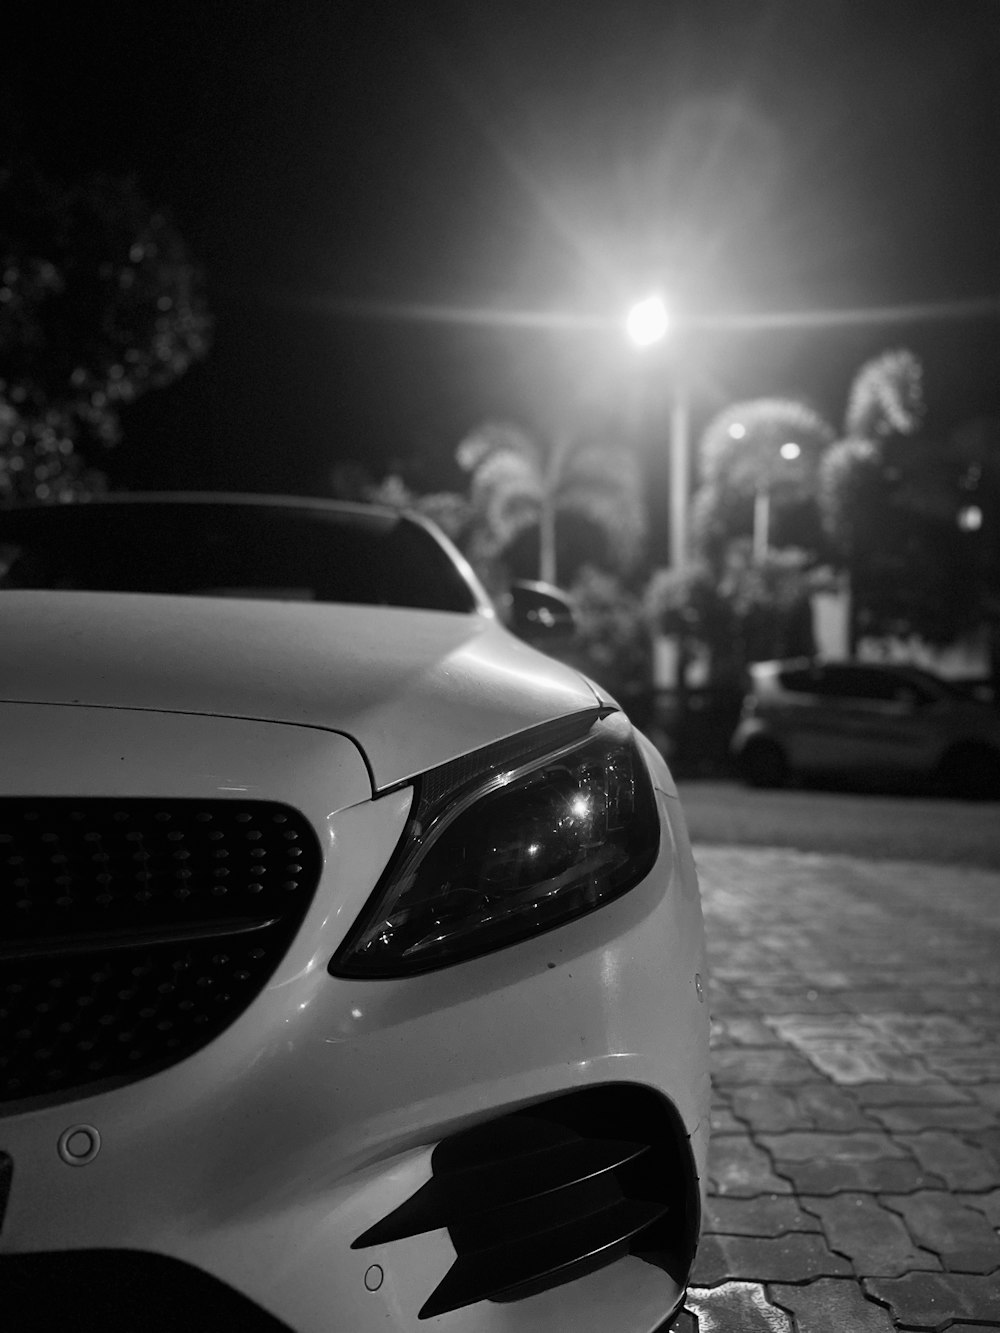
(133, 931)
(545, 1195)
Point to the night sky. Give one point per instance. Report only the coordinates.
(354, 177)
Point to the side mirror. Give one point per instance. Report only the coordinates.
(539, 611)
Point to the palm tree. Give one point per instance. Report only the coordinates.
(885, 401)
(755, 454)
(886, 397)
(516, 485)
(861, 471)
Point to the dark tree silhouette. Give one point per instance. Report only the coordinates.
(99, 301)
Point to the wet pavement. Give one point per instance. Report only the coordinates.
(855, 1164)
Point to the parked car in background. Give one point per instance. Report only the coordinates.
(807, 719)
(353, 963)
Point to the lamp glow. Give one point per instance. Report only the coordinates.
(737, 431)
(790, 450)
(647, 321)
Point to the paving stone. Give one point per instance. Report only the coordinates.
(766, 1107)
(933, 1300)
(914, 1119)
(964, 999)
(848, 1062)
(728, 1003)
(882, 979)
(937, 1093)
(988, 1140)
(721, 1097)
(736, 1307)
(791, 1258)
(724, 1122)
(773, 1002)
(987, 1093)
(737, 962)
(834, 1177)
(826, 978)
(832, 1305)
(890, 999)
(861, 1145)
(964, 1064)
(832, 1163)
(960, 1165)
(747, 1032)
(988, 1204)
(952, 1226)
(803, 1030)
(746, 1064)
(807, 1106)
(765, 1215)
(874, 1239)
(921, 1031)
(737, 1166)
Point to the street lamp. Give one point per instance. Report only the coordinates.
(647, 323)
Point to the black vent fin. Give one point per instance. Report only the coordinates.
(562, 1253)
(452, 1200)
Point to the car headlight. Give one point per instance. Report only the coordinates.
(508, 843)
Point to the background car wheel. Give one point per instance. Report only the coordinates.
(971, 773)
(763, 764)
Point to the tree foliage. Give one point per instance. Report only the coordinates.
(741, 446)
(746, 610)
(886, 396)
(857, 475)
(516, 486)
(881, 501)
(99, 301)
(889, 500)
(741, 457)
(613, 641)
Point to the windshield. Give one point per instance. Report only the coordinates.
(218, 549)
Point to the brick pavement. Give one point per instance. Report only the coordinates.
(854, 1178)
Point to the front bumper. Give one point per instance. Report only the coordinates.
(262, 1158)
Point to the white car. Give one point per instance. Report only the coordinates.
(353, 973)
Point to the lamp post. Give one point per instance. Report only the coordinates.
(648, 323)
(788, 453)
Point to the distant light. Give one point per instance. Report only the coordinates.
(737, 430)
(790, 450)
(647, 322)
(970, 519)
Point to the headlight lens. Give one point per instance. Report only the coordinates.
(514, 852)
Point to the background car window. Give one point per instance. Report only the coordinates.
(800, 680)
(870, 684)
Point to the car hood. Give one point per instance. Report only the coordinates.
(411, 688)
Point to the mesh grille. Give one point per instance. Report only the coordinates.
(133, 931)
